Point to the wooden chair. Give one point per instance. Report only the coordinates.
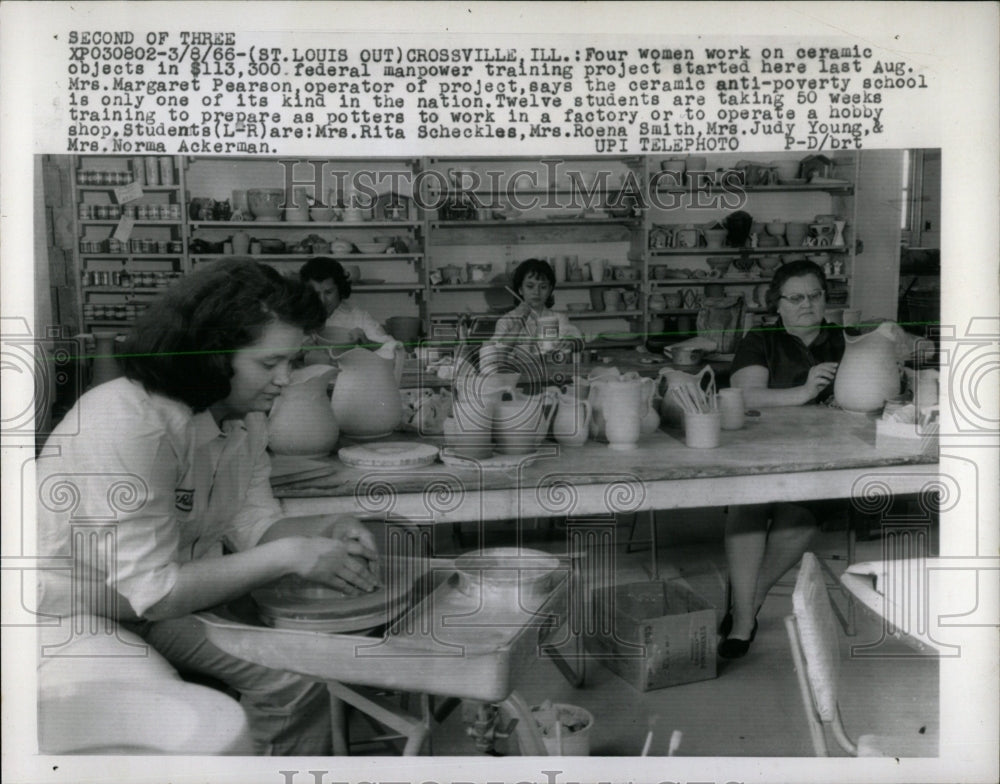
(813, 637)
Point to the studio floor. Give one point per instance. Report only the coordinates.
(753, 707)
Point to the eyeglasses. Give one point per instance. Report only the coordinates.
(798, 299)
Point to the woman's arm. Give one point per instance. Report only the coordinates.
(208, 582)
(753, 380)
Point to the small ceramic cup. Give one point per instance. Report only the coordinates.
(731, 407)
(703, 431)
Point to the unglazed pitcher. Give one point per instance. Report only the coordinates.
(571, 426)
(621, 407)
(301, 421)
(366, 398)
(868, 374)
(521, 422)
(670, 378)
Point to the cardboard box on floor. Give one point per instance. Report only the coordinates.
(653, 634)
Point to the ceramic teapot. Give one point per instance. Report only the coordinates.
(301, 421)
(521, 421)
(671, 412)
(868, 374)
(366, 398)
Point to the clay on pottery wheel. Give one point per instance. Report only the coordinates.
(867, 375)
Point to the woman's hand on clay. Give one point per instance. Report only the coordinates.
(819, 378)
(337, 563)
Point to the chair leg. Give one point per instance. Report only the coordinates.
(816, 731)
(338, 724)
(529, 739)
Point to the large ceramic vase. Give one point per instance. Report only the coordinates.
(868, 374)
(366, 398)
(301, 421)
(571, 426)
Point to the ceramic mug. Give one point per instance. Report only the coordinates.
(731, 407)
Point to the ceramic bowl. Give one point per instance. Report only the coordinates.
(578, 307)
(719, 265)
(769, 263)
(371, 247)
(265, 203)
(743, 263)
(271, 246)
(322, 214)
(776, 228)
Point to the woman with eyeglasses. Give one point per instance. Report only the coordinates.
(790, 364)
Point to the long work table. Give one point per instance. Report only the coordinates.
(784, 454)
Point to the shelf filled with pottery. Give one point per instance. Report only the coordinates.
(129, 232)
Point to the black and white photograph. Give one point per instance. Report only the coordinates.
(376, 387)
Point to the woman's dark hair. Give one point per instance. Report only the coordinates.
(320, 268)
(537, 268)
(794, 269)
(182, 347)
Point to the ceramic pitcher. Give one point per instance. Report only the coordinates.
(571, 426)
(671, 412)
(868, 374)
(621, 407)
(597, 375)
(301, 421)
(521, 422)
(366, 398)
(599, 390)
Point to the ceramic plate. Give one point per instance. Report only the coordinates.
(388, 455)
(496, 463)
(371, 281)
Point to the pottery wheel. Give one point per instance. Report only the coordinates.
(296, 603)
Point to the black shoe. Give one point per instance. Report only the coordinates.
(727, 624)
(734, 647)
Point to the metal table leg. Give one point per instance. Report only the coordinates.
(529, 739)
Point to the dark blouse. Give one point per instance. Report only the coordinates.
(787, 358)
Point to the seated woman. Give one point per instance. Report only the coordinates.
(327, 278)
(533, 284)
(171, 458)
(792, 364)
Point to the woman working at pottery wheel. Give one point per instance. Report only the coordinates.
(174, 455)
(533, 284)
(328, 279)
(791, 364)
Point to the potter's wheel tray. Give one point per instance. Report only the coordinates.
(294, 603)
(388, 455)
